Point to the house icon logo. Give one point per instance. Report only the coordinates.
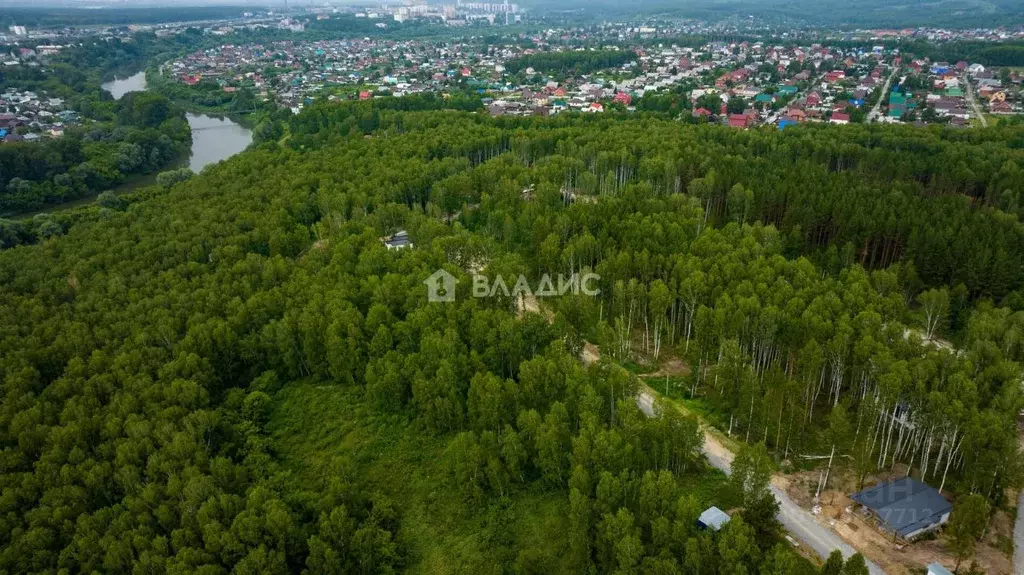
(441, 287)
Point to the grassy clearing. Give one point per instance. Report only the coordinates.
(316, 428)
(321, 429)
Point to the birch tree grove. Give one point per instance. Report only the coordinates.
(867, 363)
(935, 305)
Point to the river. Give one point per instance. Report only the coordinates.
(214, 138)
(118, 88)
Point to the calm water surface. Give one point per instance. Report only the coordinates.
(214, 138)
(118, 88)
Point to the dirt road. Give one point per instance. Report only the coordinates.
(969, 92)
(876, 110)
(804, 527)
(801, 524)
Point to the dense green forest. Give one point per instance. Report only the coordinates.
(573, 63)
(123, 15)
(986, 53)
(232, 373)
(139, 134)
(874, 195)
(788, 13)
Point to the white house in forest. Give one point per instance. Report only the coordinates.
(400, 240)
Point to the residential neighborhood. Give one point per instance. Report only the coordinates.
(28, 116)
(740, 84)
(836, 78)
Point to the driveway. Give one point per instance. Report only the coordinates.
(804, 527)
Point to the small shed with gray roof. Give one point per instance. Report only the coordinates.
(713, 518)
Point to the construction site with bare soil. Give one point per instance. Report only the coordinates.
(835, 510)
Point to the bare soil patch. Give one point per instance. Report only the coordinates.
(671, 367)
(838, 512)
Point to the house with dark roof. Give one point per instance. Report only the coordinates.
(905, 507)
(398, 241)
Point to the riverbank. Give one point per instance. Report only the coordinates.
(233, 131)
(215, 138)
(131, 184)
(183, 97)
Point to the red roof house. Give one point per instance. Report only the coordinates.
(1002, 107)
(738, 120)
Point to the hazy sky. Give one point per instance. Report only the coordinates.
(150, 3)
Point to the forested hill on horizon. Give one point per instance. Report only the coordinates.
(867, 13)
(235, 373)
(864, 14)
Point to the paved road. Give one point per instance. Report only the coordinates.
(969, 92)
(873, 114)
(794, 518)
